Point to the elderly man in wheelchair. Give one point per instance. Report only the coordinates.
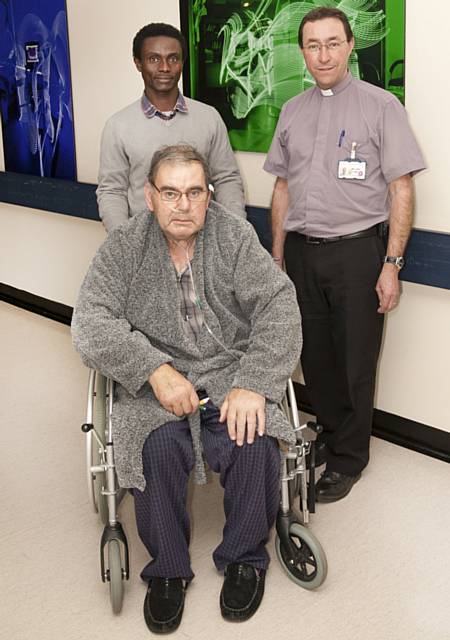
(186, 311)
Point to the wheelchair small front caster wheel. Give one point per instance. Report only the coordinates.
(308, 567)
(115, 576)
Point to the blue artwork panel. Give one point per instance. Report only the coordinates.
(35, 88)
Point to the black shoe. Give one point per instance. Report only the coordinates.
(333, 486)
(242, 591)
(163, 604)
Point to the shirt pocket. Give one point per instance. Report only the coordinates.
(365, 151)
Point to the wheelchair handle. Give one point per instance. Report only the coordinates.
(317, 428)
(86, 427)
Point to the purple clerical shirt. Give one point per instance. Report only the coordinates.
(315, 131)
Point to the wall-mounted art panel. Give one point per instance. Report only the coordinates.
(245, 60)
(35, 89)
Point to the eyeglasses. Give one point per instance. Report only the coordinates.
(173, 195)
(315, 47)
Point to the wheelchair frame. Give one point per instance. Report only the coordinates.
(298, 550)
(103, 488)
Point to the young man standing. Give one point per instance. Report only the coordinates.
(162, 116)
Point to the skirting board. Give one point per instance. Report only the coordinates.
(406, 433)
(43, 307)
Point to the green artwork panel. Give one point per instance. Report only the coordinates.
(244, 57)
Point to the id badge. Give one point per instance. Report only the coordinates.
(352, 169)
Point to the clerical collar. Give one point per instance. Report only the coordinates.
(343, 84)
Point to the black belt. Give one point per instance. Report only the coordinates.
(365, 233)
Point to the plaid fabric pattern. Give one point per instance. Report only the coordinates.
(191, 313)
(249, 475)
(150, 111)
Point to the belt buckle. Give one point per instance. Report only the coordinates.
(312, 240)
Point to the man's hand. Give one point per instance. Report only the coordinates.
(173, 391)
(388, 288)
(401, 195)
(243, 410)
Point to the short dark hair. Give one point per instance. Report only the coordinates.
(177, 153)
(320, 13)
(155, 29)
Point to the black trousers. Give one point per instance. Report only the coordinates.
(342, 334)
(250, 477)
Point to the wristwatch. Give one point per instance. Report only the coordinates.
(399, 261)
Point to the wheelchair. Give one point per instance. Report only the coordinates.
(298, 550)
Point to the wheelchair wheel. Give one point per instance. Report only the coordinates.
(100, 417)
(115, 576)
(309, 567)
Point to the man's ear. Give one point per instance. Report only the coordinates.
(148, 191)
(352, 44)
(138, 64)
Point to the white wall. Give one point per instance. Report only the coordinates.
(48, 254)
(104, 78)
(427, 99)
(414, 371)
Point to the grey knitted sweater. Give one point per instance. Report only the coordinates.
(129, 140)
(127, 322)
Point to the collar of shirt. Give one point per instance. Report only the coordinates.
(150, 111)
(184, 270)
(341, 86)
